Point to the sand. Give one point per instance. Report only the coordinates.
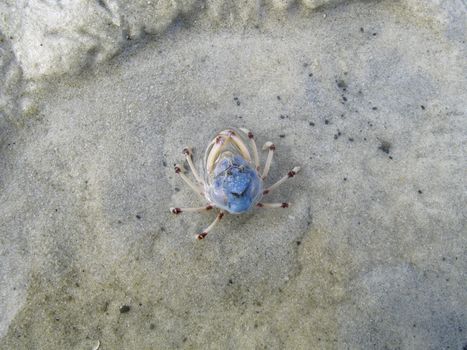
(97, 101)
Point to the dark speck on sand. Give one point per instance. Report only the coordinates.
(124, 309)
(385, 146)
(341, 84)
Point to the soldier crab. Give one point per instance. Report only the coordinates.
(232, 181)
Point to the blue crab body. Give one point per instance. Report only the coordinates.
(236, 186)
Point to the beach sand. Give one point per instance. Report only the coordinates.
(97, 102)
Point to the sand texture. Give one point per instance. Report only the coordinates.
(97, 101)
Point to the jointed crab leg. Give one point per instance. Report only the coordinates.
(180, 171)
(214, 149)
(210, 227)
(253, 145)
(290, 174)
(191, 210)
(268, 145)
(272, 205)
(238, 142)
(187, 152)
(220, 142)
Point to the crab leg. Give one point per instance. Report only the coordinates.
(180, 171)
(237, 141)
(191, 210)
(210, 227)
(188, 155)
(220, 142)
(272, 205)
(216, 147)
(290, 174)
(253, 145)
(268, 145)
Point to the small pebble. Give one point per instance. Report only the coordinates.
(124, 309)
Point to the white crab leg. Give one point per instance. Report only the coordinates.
(268, 145)
(237, 142)
(290, 174)
(218, 145)
(220, 142)
(253, 145)
(188, 155)
(180, 171)
(210, 227)
(191, 210)
(272, 205)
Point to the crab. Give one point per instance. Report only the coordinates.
(232, 181)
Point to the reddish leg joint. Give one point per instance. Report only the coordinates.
(176, 210)
(205, 233)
